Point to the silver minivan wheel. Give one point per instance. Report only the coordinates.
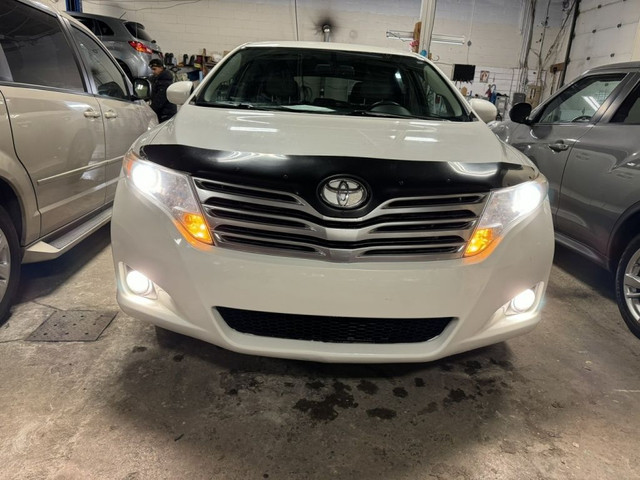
(628, 286)
(5, 264)
(10, 256)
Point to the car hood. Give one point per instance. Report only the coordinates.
(291, 133)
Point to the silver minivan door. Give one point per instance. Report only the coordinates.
(57, 126)
(123, 121)
(559, 124)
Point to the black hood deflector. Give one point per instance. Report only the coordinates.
(303, 175)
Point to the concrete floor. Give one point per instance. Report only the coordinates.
(562, 402)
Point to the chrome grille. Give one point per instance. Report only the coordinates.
(281, 223)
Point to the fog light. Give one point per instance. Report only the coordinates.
(523, 301)
(138, 283)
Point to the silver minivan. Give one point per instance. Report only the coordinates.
(68, 114)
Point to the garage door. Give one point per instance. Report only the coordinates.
(605, 33)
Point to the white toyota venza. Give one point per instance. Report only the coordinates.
(334, 203)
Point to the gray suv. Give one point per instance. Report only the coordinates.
(128, 42)
(66, 122)
(586, 140)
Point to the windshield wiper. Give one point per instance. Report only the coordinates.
(369, 113)
(238, 105)
(247, 106)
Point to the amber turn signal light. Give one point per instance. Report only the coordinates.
(196, 225)
(481, 239)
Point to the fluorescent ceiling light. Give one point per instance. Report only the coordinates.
(451, 39)
(400, 35)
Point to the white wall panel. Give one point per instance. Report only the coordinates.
(495, 30)
(605, 33)
(220, 25)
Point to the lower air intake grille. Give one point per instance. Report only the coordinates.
(334, 329)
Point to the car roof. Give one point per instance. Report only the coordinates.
(97, 17)
(48, 6)
(42, 4)
(349, 47)
(615, 67)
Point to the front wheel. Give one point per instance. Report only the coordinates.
(628, 286)
(9, 264)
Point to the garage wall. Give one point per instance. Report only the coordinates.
(188, 27)
(606, 32)
(494, 27)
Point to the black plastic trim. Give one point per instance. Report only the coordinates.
(318, 328)
(300, 175)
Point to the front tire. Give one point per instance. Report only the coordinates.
(9, 264)
(628, 286)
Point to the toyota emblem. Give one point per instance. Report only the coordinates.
(343, 193)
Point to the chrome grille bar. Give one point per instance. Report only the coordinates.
(281, 223)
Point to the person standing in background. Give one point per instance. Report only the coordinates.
(494, 94)
(159, 83)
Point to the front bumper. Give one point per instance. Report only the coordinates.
(191, 280)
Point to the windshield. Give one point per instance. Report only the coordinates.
(331, 82)
(138, 31)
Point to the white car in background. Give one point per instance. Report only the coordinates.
(333, 203)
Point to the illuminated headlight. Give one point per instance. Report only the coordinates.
(171, 191)
(504, 209)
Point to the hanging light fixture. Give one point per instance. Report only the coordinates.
(326, 31)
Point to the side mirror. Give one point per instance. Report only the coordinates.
(519, 113)
(179, 92)
(486, 110)
(142, 89)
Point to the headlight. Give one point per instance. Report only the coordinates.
(504, 209)
(172, 192)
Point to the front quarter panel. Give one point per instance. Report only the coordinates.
(504, 130)
(15, 175)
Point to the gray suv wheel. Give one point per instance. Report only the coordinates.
(628, 286)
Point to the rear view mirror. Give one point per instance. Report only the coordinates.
(519, 113)
(142, 89)
(486, 110)
(179, 92)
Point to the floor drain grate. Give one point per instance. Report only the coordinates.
(72, 326)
